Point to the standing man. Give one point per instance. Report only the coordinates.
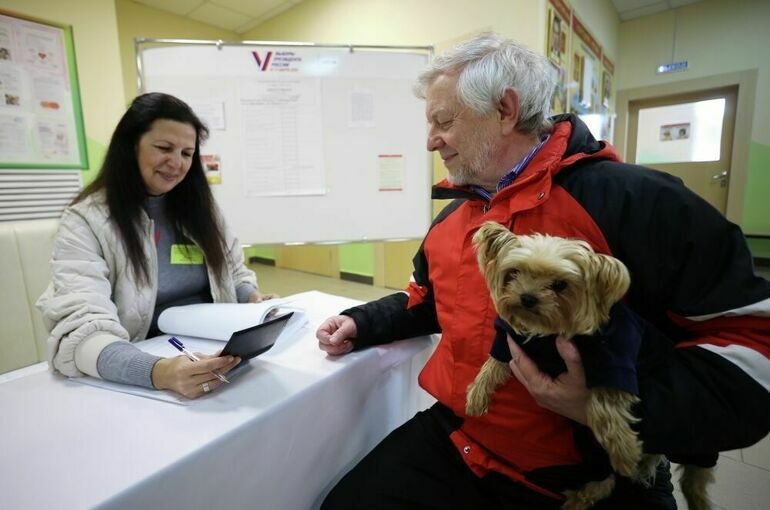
(704, 372)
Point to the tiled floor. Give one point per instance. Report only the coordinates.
(742, 480)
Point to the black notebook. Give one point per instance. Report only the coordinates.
(251, 342)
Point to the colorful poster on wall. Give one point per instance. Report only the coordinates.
(607, 72)
(671, 132)
(212, 168)
(559, 98)
(586, 61)
(607, 111)
(557, 49)
(41, 123)
(559, 16)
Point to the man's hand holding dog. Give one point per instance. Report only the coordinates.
(565, 394)
(335, 333)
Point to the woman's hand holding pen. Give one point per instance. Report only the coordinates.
(191, 378)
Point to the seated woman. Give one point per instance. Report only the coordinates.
(143, 236)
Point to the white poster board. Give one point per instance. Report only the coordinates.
(307, 143)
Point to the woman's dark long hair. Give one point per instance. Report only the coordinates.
(189, 206)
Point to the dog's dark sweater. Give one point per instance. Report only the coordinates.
(609, 356)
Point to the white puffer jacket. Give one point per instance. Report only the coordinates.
(94, 298)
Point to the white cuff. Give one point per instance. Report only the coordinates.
(87, 352)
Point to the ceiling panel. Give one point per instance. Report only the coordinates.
(180, 7)
(630, 9)
(219, 16)
(235, 15)
(243, 15)
(252, 8)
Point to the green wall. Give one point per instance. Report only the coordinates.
(96, 152)
(756, 213)
(760, 248)
(756, 219)
(263, 251)
(357, 258)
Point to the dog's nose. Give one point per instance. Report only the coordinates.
(528, 300)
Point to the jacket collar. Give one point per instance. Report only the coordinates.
(570, 142)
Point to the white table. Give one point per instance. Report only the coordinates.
(277, 438)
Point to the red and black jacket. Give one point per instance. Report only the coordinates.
(703, 368)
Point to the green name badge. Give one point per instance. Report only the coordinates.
(186, 254)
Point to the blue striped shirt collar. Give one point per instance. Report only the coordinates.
(511, 175)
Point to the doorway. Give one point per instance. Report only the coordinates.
(733, 153)
(687, 135)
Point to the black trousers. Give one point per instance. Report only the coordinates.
(418, 467)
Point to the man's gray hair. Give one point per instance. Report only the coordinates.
(489, 64)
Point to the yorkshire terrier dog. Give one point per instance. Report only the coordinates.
(544, 286)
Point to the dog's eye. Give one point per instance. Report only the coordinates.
(558, 285)
(511, 275)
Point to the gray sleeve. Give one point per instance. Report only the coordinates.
(123, 362)
(243, 291)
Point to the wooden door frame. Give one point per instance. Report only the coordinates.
(746, 81)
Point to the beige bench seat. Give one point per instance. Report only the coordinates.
(25, 271)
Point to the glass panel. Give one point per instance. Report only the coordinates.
(680, 133)
(601, 125)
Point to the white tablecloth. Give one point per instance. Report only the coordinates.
(277, 438)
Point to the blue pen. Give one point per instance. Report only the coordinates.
(192, 357)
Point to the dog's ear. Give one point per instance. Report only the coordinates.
(611, 279)
(489, 240)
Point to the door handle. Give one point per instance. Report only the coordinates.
(721, 177)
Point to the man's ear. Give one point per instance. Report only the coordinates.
(508, 110)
